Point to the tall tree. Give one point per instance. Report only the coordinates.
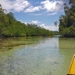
(67, 21)
(55, 23)
(10, 27)
(71, 1)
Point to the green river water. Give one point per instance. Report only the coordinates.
(45, 56)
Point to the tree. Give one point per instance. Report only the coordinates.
(10, 27)
(1, 10)
(67, 21)
(55, 23)
(71, 1)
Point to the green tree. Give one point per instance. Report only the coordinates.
(55, 23)
(10, 27)
(71, 1)
(67, 21)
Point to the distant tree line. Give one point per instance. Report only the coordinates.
(10, 27)
(67, 21)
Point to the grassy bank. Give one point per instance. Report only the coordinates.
(67, 43)
(9, 43)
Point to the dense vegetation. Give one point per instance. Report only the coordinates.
(10, 27)
(67, 21)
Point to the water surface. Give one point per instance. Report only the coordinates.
(46, 56)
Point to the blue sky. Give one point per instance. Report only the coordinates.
(41, 12)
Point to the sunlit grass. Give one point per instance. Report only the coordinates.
(67, 43)
(9, 43)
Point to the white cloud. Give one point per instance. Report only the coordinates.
(6, 4)
(31, 22)
(17, 5)
(52, 13)
(26, 6)
(35, 22)
(52, 6)
(20, 5)
(37, 14)
(51, 27)
(47, 5)
(42, 25)
(33, 9)
(23, 22)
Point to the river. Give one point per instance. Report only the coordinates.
(47, 56)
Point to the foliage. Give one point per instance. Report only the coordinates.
(55, 23)
(67, 21)
(10, 27)
(71, 1)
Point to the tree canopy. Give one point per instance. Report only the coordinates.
(71, 1)
(67, 21)
(10, 27)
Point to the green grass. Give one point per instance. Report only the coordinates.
(9, 43)
(67, 43)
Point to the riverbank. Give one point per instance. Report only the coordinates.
(9, 43)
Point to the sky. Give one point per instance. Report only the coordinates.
(41, 12)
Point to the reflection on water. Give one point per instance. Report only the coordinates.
(67, 49)
(43, 58)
